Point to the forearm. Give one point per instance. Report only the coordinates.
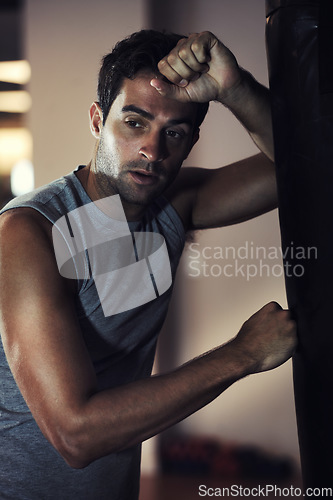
(115, 419)
(249, 101)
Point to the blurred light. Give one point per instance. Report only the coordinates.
(15, 145)
(22, 178)
(18, 101)
(15, 72)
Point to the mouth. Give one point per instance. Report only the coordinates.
(143, 177)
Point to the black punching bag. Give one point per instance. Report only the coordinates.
(299, 39)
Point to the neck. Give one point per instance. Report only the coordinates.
(98, 188)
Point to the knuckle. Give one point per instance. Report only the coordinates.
(206, 36)
(172, 58)
(273, 306)
(196, 45)
(182, 41)
(162, 64)
(207, 33)
(183, 52)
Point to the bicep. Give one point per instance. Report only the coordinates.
(41, 336)
(228, 195)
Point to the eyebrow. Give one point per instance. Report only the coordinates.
(149, 116)
(134, 109)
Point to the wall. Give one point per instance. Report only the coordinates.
(65, 41)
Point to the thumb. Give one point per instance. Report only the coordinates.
(170, 90)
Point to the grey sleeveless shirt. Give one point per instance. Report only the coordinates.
(122, 348)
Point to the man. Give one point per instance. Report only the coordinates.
(88, 399)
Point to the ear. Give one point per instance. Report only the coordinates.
(96, 119)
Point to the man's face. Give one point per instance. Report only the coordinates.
(143, 143)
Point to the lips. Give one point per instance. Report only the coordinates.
(143, 177)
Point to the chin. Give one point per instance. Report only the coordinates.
(142, 198)
(141, 201)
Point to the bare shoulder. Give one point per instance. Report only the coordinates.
(27, 259)
(25, 240)
(18, 223)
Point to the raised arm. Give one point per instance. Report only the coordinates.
(53, 370)
(201, 69)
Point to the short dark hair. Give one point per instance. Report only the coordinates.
(141, 50)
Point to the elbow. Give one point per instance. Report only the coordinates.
(75, 458)
(73, 451)
(73, 445)
(79, 447)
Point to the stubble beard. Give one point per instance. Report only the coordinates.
(111, 181)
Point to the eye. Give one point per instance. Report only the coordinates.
(174, 134)
(133, 123)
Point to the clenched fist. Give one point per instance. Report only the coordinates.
(268, 338)
(200, 69)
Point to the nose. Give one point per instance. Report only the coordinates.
(153, 148)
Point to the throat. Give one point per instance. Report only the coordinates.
(99, 187)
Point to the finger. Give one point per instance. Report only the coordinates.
(175, 70)
(169, 90)
(201, 45)
(189, 57)
(182, 64)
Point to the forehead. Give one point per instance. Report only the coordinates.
(140, 93)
